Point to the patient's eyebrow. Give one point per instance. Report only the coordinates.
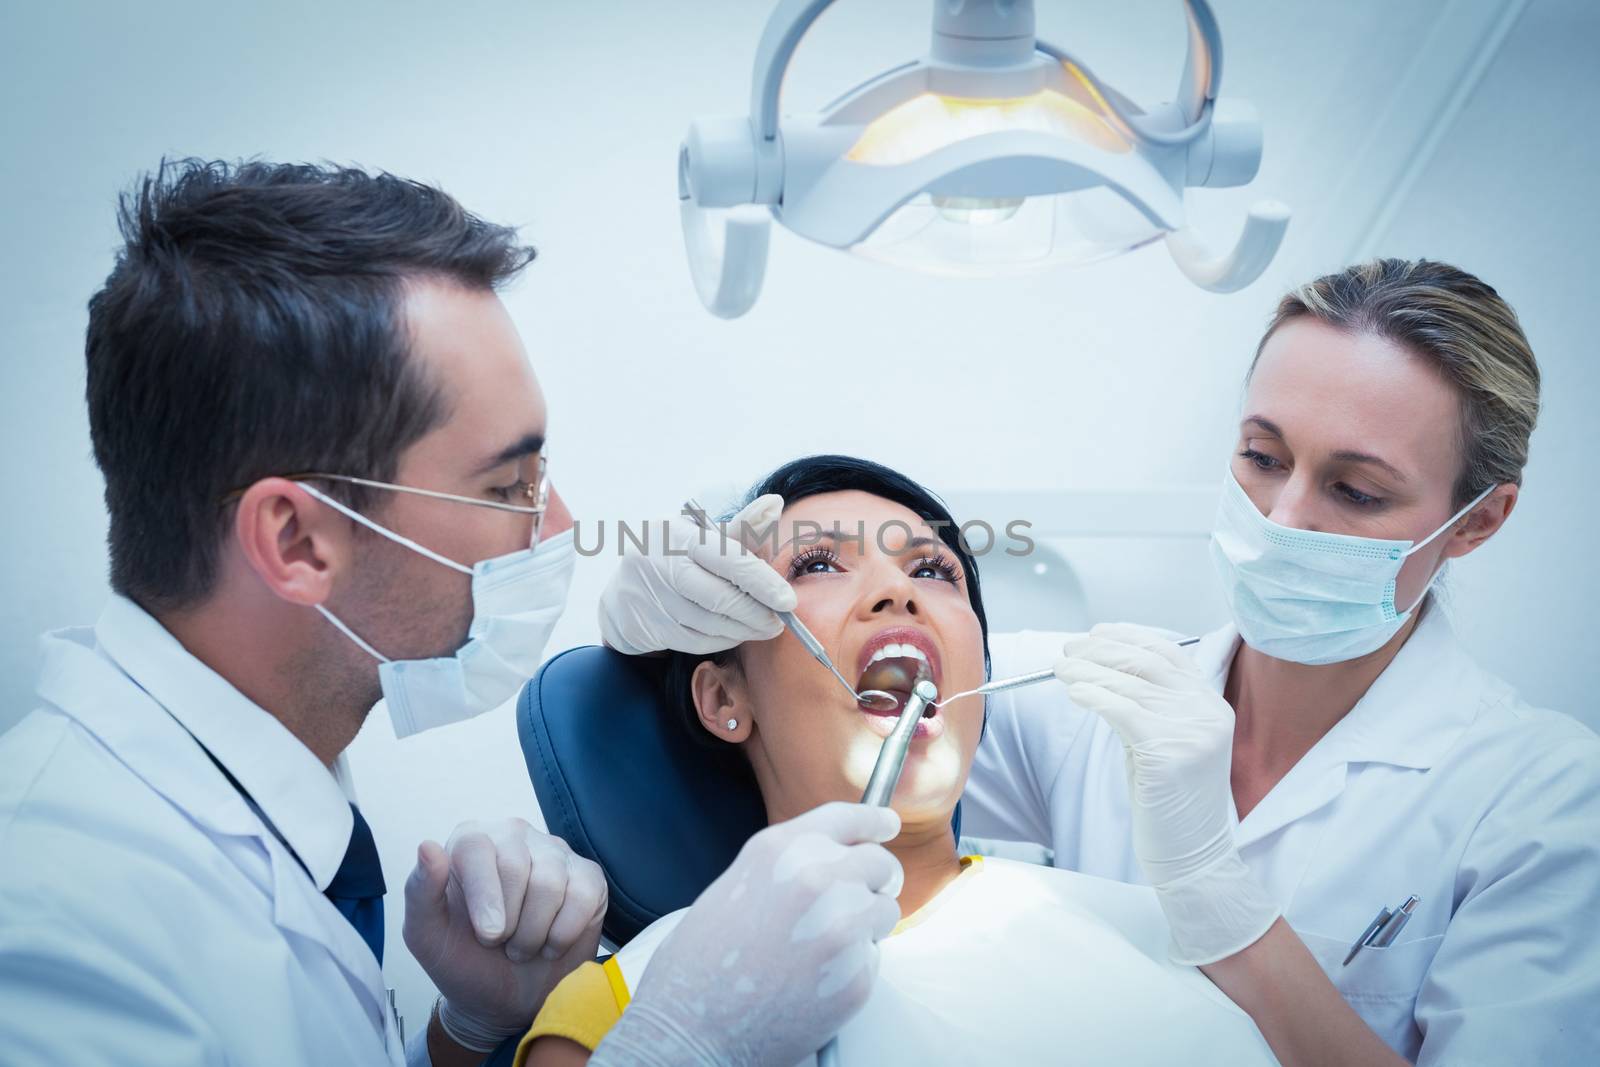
(918, 543)
(835, 536)
(812, 537)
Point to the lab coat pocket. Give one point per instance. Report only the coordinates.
(1381, 984)
(1395, 971)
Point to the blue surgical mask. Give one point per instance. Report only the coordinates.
(1308, 596)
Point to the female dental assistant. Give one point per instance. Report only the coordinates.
(1371, 844)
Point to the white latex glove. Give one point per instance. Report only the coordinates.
(776, 955)
(1178, 736)
(705, 592)
(497, 917)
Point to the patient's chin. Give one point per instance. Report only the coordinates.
(930, 784)
(930, 781)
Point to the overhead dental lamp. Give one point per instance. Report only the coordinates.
(996, 153)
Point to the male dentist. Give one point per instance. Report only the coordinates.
(324, 459)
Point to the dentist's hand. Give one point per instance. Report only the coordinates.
(776, 955)
(704, 593)
(497, 917)
(1178, 736)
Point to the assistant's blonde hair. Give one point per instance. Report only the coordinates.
(1459, 324)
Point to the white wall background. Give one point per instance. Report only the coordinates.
(1457, 129)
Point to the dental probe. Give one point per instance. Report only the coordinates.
(892, 756)
(1000, 685)
(876, 698)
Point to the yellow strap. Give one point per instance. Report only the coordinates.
(619, 984)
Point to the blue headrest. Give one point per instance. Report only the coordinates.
(626, 786)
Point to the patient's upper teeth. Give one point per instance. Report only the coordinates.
(898, 651)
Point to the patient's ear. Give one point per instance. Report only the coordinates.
(721, 697)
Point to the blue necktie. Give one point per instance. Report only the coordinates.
(357, 888)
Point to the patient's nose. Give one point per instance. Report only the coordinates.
(895, 595)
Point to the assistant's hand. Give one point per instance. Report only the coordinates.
(776, 954)
(1178, 736)
(497, 917)
(704, 593)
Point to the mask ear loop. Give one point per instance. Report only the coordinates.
(1452, 520)
(351, 634)
(1448, 524)
(390, 534)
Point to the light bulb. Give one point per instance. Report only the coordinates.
(977, 210)
(973, 234)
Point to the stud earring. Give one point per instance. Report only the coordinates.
(733, 724)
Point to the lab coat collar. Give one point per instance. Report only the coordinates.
(293, 788)
(1412, 715)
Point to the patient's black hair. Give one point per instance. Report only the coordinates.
(795, 481)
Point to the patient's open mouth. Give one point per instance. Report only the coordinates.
(895, 672)
(892, 662)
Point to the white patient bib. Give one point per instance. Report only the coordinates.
(1015, 963)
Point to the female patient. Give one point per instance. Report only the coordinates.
(992, 961)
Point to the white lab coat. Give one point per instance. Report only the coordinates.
(147, 915)
(1440, 782)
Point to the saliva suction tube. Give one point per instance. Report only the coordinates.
(892, 756)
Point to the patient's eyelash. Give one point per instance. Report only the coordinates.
(803, 562)
(946, 568)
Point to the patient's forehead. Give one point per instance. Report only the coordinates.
(866, 523)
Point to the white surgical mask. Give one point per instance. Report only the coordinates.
(516, 600)
(1308, 596)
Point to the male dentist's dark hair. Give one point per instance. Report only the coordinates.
(253, 326)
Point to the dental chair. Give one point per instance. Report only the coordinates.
(625, 785)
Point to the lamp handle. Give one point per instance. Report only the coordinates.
(1227, 272)
(728, 268)
(728, 279)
